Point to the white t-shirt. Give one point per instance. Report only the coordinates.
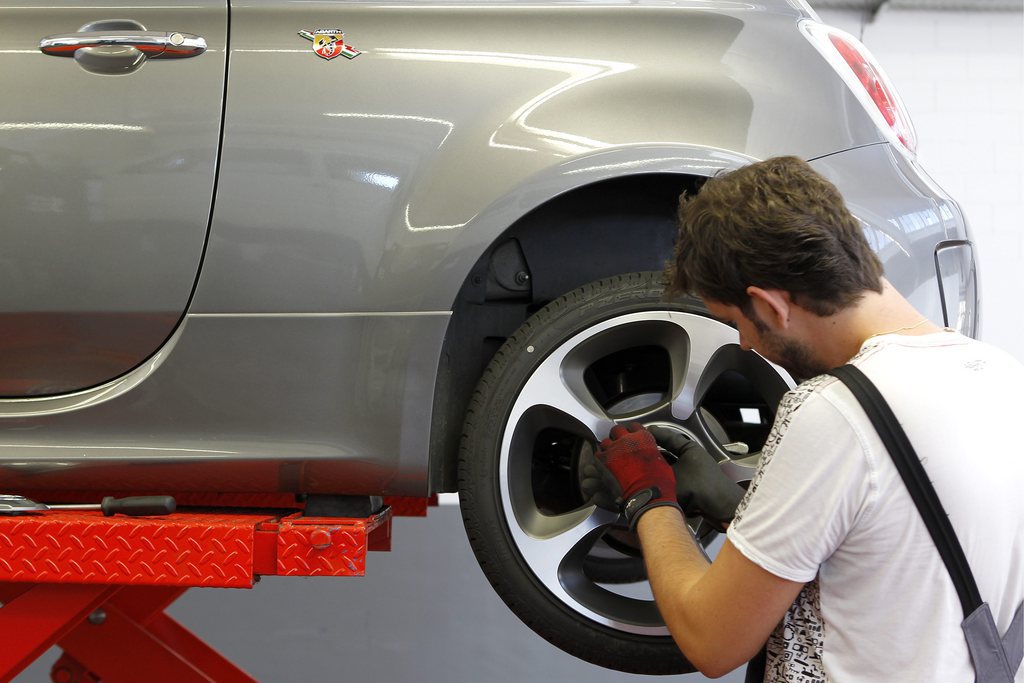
(828, 507)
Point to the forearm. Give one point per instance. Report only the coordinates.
(691, 608)
(678, 563)
(674, 566)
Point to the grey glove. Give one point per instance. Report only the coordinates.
(597, 484)
(701, 486)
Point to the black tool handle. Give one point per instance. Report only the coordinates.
(138, 505)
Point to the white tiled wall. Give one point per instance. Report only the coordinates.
(961, 75)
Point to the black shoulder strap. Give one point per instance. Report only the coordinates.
(918, 484)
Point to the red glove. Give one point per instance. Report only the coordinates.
(645, 479)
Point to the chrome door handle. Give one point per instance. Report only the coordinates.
(120, 46)
(152, 44)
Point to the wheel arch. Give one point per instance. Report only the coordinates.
(600, 229)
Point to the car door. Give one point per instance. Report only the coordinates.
(109, 134)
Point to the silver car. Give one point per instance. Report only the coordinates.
(347, 249)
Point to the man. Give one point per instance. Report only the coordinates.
(827, 558)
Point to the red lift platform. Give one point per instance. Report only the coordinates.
(98, 586)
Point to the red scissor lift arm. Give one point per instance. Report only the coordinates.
(98, 586)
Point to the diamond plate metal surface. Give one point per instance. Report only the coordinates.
(85, 547)
(312, 546)
(300, 553)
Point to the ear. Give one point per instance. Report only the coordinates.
(772, 305)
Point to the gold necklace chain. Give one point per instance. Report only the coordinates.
(920, 322)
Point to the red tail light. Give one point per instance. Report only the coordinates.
(860, 70)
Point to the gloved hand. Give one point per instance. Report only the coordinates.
(628, 474)
(702, 488)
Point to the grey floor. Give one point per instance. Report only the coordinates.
(423, 612)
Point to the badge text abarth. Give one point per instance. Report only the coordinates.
(329, 43)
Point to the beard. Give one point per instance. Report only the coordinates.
(792, 356)
(795, 358)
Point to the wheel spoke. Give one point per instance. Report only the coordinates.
(740, 468)
(707, 338)
(565, 533)
(564, 391)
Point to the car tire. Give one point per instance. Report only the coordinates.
(611, 351)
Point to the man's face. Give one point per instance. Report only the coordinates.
(794, 355)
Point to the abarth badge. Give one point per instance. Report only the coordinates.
(329, 43)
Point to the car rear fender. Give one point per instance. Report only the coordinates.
(373, 183)
(626, 224)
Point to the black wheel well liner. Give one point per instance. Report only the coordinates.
(608, 228)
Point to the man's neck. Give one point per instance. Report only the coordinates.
(841, 335)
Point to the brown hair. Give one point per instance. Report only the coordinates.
(775, 224)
